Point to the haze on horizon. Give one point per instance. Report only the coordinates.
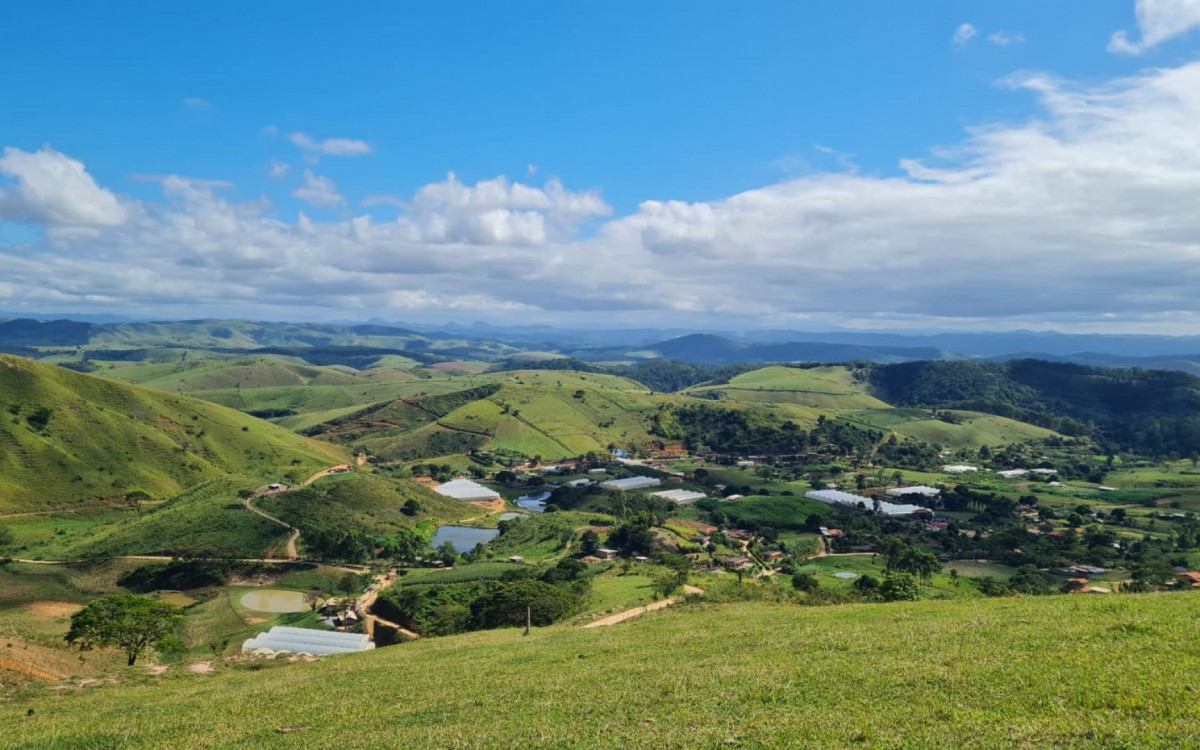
(937, 167)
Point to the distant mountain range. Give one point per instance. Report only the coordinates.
(487, 343)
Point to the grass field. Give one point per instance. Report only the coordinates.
(1071, 672)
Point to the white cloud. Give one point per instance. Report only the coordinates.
(1158, 21)
(278, 169)
(497, 212)
(1086, 211)
(318, 191)
(963, 35)
(195, 102)
(330, 146)
(1004, 39)
(52, 188)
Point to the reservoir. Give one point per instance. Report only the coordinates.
(535, 503)
(463, 538)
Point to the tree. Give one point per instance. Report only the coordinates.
(899, 587)
(313, 598)
(411, 507)
(6, 537)
(589, 542)
(806, 582)
(866, 585)
(667, 581)
(133, 623)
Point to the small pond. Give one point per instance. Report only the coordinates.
(178, 598)
(274, 600)
(462, 538)
(535, 503)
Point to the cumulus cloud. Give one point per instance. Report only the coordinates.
(498, 212)
(52, 188)
(1004, 39)
(1158, 21)
(1085, 211)
(278, 169)
(963, 35)
(330, 146)
(318, 191)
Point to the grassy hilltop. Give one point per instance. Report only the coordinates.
(67, 437)
(1080, 672)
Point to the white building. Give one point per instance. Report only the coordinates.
(1012, 473)
(682, 497)
(915, 490)
(959, 469)
(288, 640)
(847, 500)
(631, 483)
(466, 490)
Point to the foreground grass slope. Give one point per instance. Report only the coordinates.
(1086, 672)
(67, 437)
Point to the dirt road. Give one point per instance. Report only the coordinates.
(629, 614)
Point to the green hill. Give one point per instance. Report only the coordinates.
(554, 414)
(832, 388)
(1069, 671)
(66, 437)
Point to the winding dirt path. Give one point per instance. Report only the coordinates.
(290, 550)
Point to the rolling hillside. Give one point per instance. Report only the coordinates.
(554, 414)
(66, 437)
(1077, 671)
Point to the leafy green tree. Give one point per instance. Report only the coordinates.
(806, 582)
(411, 507)
(899, 587)
(589, 542)
(867, 585)
(132, 623)
(668, 582)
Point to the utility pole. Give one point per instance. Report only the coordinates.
(528, 619)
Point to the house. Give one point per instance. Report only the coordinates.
(1190, 578)
(606, 554)
(631, 483)
(773, 556)
(737, 563)
(342, 469)
(740, 534)
(467, 491)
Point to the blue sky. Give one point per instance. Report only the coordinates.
(295, 137)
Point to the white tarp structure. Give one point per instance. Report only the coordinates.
(959, 469)
(282, 639)
(631, 483)
(847, 500)
(465, 489)
(683, 497)
(914, 490)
